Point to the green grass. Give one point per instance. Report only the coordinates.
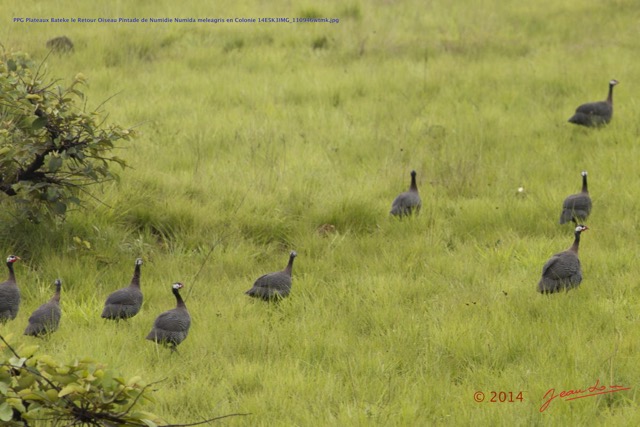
(252, 136)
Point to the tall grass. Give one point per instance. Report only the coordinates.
(254, 137)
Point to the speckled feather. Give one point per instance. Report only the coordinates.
(46, 318)
(274, 285)
(594, 114)
(9, 294)
(563, 270)
(577, 207)
(172, 326)
(126, 302)
(408, 202)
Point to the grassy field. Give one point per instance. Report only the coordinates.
(254, 135)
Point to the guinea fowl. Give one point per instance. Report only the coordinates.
(9, 293)
(563, 271)
(171, 327)
(408, 202)
(274, 286)
(577, 207)
(595, 113)
(47, 317)
(125, 302)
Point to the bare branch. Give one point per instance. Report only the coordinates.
(106, 100)
(140, 395)
(213, 246)
(9, 347)
(206, 421)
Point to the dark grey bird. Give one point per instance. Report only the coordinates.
(62, 44)
(47, 317)
(274, 286)
(171, 327)
(595, 114)
(125, 303)
(9, 293)
(408, 202)
(563, 270)
(577, 207)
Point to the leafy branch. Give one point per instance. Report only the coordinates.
(49, 146)
(37, 388)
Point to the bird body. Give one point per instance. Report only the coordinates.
(273, 286)
(172, 327)
(62, 44)
(126, 302)
(9, 293)
(47, 317)
(594, 114)
(577, 207)
(563, 270)
(408, 202)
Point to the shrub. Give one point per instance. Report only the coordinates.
(50, 149)
(40, 389)
(37, 389)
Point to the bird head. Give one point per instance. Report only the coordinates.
(139, 261)
(293, 254)
(177, 285)
(613, 82)
(583, 173)
(413, 174)
(580, 228)
(58, 282)
(12, 258)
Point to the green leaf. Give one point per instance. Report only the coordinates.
(39, 123)
(52, 194)
(6, 412)
(17, 362)
(31, 395)
(16, 403)
(52, 395)
(59, 208)
(28, 350)
(55, 163)
(71, 388)
(134, 380)
(63, 379)
(26, 381)
(47, 360)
